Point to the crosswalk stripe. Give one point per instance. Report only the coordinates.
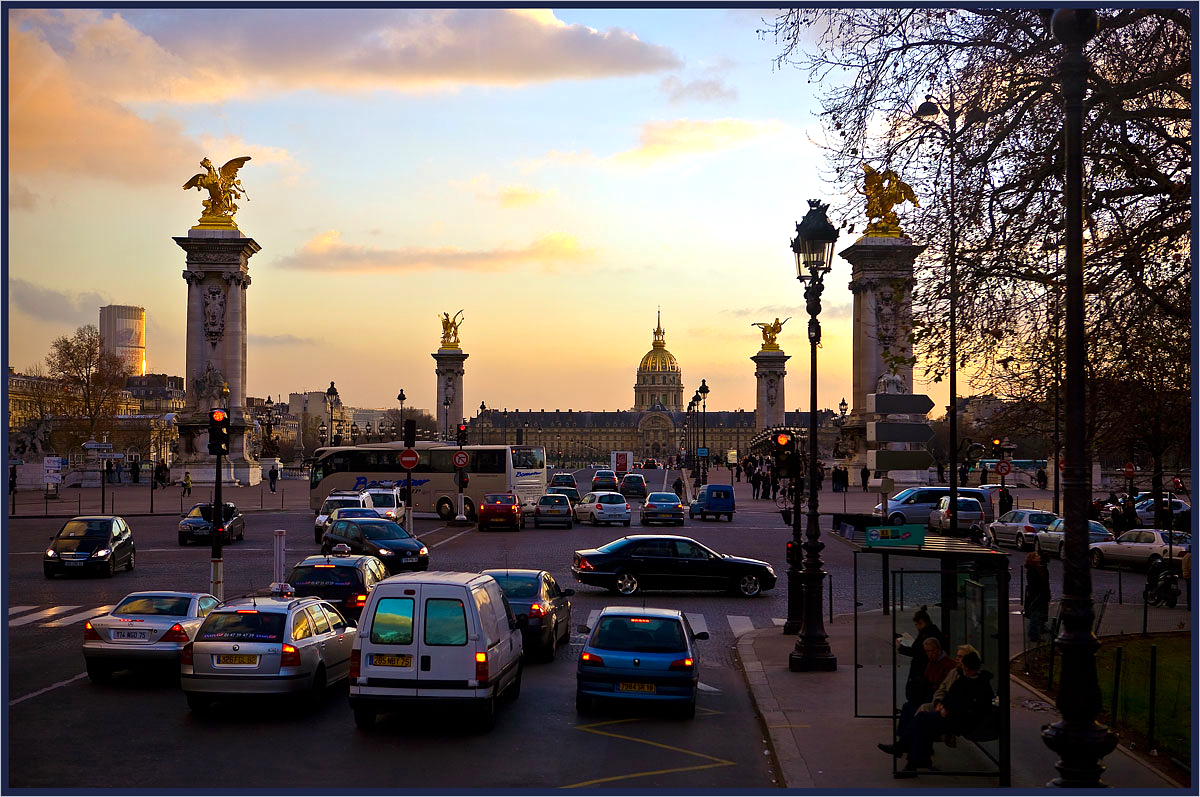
(592, 616)
(778, 621)
(71, 619)
(29, 618)
(18, 609)
(739, 625)
(697, 622)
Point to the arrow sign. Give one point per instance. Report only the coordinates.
(899, 460)
(899, 432)
(898, 403)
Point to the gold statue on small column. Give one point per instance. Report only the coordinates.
(450, 330)
(884, 190)
(770, 331)
(223, 187)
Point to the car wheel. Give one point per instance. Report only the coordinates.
(445, 509)
(130, 561)
(626, 524)
(1097, 559)
(485, 716)
(748, 585)
(687, 711)
(183, 540)
(316, 693)
(364, 719)
(537, 525)
(1019, 542)
(242, 534)
(468, 509)
(644, 522)
(1172, 601)
(550, 650)
(691, 515)
(896, 519)
(99, 673)
(198, 704)
(47, 572)
(570, 525)
(111, 570)
(627, 583)
(583, 703)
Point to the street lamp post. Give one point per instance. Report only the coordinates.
(446, 414)
(813, 247)
(332, 399)
(323, 432)
(703, 393)
(479, 419)
(1077, 738)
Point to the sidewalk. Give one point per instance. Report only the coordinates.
(820, 744)
(133, 500)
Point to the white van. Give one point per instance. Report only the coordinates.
(435, 639)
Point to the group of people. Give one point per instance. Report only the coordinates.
(114, 472)
(944, 697)
(765, 483)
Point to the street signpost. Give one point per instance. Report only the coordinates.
(1004, 467)
(898, 432)
(898, 403)
(461, 459)
(409, 459)
(899, 460)
(1130, 470)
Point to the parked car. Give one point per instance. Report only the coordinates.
(563, 480)
(435, 638)
(639, 654)
(1145, 510)
(145, 628)
(1019, 527)
(385, 539)
(553, 509)
(970, 516)
(338, 499)
(501, 509)
(662, 508)
(630, 564)
(545, 605)
(343, 579)
(605, 480)
(633, 485)
(266, 645)
(571, 493)
(1139, 547)
(197, 524)
(715, 500)
(90, 544)
(603, 507)
(914, 504)
(345, 513)
(1049, 542)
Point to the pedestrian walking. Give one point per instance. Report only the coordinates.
(983, 473)
(774, 486)
(187, 483)
(12, 482)
(1037, 596)
(162, 473)
(755, 481)
(1042, 478)
(941, 472)
(108, 471)
(678, 487)
(865, 475)
(738, 471)
(135, 471)
(120, 471)
(820, 475)
(273, 477)
(1006, 501)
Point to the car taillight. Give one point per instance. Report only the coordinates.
(1030, 530)
(481, 668)
(683, 664)
(220, 529)
(537, 610)
(592, 659)
(599, 506)
(175, 634)
(516, 508)
(355, 663)
(679, 506)
(584, 564)
(89, 633)
(290, 657)
(627, 507)
(185, 657)
(360, 601)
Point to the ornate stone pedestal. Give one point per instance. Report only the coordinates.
(770, 372)
(449, 385)
(217, 275)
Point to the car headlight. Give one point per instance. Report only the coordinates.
(771, 570)
(101, 553)
(51, 553)
(385, 552)
(423, 552)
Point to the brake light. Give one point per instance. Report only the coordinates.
(175, 634)
(290, 657)
(516, 508)
(247, 611)
(90, 633)
(481, 668)
(592, 659)
(679, 506)
(360, 601)
(220, 529)
(584, 564)
(599, 506)
(537, 610)
(627, 507)
(1030, 530)
(683, 664)
(638, 620)
(185, 657)
(355, 663)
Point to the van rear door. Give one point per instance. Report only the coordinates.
(388, 643)
(447, 641)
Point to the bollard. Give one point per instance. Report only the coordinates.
(260, 495)
(829, 578)
(280, 553)
(281, 489)
(1145, 614)
(79, 502)
(1118, 658)
(1152, 708)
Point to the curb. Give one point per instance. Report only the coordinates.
(789, 762)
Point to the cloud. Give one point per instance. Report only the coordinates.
(710, 90)
(48, 304)
(327, 252)
(672, 139)
(509, 196)
(795, 311)
(236, 146)
(279, 340)
(21, 198)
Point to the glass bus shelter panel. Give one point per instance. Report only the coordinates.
(919, 588)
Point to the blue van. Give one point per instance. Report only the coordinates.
(715, 500)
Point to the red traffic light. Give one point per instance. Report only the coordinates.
(462, 427)
(783, 439)
(217, 416)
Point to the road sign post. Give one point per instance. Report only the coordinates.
(899, 460)
(1003, 468)
(409, 459)
(461, 459)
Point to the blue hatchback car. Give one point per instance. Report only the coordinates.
(639, 654)
(715, 500)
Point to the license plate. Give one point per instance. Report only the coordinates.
(635, 687)
(409, 559)
(74, 562)
(380, 660)
(118, 634)
(236, 659)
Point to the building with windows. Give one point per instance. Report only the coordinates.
(158, 393)
(123, 330)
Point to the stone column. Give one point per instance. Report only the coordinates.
(770, 371)
(217, 276)
(449, 384)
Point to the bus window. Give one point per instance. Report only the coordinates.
(440, 460)
(487, 461)
(526, 458)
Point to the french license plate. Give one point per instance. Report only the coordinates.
(625, 686)
(380, 660)
(74, 562)
(230, 658)
(119, 634)
(409, 559)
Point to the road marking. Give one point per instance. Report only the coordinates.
(29, 618)
(595, 728)
(703, 687)
(739, 625)
(698, 623)
(452, 537)
(18, 609)
(71, 619)
(23, 698)
(778, 621)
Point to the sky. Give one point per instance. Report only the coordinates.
(558, 175)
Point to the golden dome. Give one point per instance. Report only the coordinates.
(658, 359)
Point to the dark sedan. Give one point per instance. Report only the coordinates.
(630, 564)
(197, 526)
(386, 539)
(98, 544)
(535, 594)
(662, 508)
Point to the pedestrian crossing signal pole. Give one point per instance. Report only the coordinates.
(218, 444)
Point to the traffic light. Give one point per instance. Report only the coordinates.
(997, 448)
(793, 553)
(463, 478)
(783, 445)
(520, 437)
(410, 433)
(462, 434)
(218, 431)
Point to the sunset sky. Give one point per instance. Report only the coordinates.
(558, 175)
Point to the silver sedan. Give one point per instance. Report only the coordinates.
(145, 628)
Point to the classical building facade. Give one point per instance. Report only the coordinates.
(158, 392)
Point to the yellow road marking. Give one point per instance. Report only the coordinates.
(596, 726)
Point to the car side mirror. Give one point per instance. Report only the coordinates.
(703, 635)
(583, 629)
(566, 593)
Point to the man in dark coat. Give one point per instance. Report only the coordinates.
(135, 471)
(913, 685)
(941, 472)
(737, 470)
(1037, 596)
(1006, 501)
(755, 480)
(865, 475)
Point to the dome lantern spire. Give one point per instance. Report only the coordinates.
(660, 337)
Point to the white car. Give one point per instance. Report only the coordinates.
(1139, 547)
(387, 501)
(970, 515)
(1020, 527)
(603, 507)
(145, 628)
(1145, 510)
(338, 499)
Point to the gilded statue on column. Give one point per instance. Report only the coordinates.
(450, 329)
(884, 190)
(770, 332)
(223, 187)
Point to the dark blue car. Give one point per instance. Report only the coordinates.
(715, 500)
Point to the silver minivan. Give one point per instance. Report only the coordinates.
(915, 504)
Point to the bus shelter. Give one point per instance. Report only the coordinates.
(965, 588)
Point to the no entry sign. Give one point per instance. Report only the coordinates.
(461, 459)
(409, 459)
(1130, 470)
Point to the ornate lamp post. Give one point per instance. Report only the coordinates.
(703, 393)
(354, 433)
(323, 431)
(332, 399)
(482, 410)
(1079, 740)
(446, 414)
(813, 247)
(367, 430)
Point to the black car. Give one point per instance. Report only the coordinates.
(638, 562)
(563, 480)
(386, 539)
(197, 526)
(94, 543)
(605, 484)
(633, 485)
(341, 579)
(535, 594)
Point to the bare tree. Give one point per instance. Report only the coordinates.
(91, 378)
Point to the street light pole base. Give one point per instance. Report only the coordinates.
(798, 662)
(792, 627)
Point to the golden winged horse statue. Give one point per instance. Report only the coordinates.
(884, 190)
(223, 188)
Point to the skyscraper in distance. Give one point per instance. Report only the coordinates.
(123, 328)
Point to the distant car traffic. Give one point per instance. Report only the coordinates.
(387, 501)
(662, 508)
(1020, 527)
(563, 480)
(345, 513)
(145, 628)
(385, 539)
(501, 509)
(1145, 510)
(715, 500)
(605, 480)
(547, 607)
(343, 579)
(571, 493)
(553, 509)
(970, 516)
(650, 464)
(1049, 542)
(633, 485)
(603, 507)
(913, 505)
(197, 524)
(1139, 547)
(338, 499)
(97, 544)
(638, 562)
